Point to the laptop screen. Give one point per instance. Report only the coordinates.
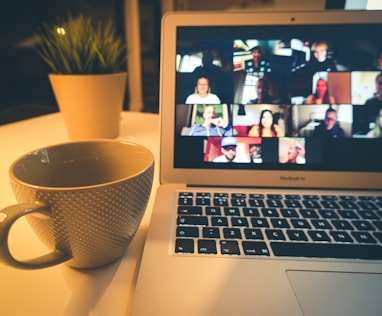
(286, 97)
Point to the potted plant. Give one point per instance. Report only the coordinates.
(88, 77)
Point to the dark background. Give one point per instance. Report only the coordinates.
(24, 75)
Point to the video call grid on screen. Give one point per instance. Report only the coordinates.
(278, 97)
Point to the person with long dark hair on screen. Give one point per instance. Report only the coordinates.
(321, 95)
(266, 126)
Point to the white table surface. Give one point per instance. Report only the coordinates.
(62, 290)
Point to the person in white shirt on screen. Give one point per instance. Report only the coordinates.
(202, 93)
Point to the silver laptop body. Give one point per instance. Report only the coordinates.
(172, 282)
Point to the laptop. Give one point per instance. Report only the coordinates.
(270, 199)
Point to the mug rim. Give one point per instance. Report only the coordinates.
(15, 179)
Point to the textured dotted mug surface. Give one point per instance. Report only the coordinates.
(85, 201)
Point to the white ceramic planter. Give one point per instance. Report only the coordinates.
(90, 104)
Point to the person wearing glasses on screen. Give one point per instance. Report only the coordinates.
(330, 127)
(203, 93)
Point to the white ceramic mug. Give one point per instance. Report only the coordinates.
(85, 200)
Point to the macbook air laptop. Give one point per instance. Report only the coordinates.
(270, 199)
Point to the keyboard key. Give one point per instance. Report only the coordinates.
(326, 250)
(318, 235)
(289, 212)
(308, 213)
(231, 233)
(348, 198)
(238, 196)
(220, 202)
(255, 248)
(297, 235)
(221, 195)
(256, 196)
(341, 236)
(342, 225)
(213, 210)
(293, 203)
(348, 214)
(367, 205)
(311, 204)
(274, 203)
(275, 234)
(274, 196)
(292, 197)
(207, 246)
(229, 247)
(279, 223)
(239, 222)
(231, 211)
(329, 197)
(203, 201)
(190, 210)
(368, 215)
(185, 201)
(300, 223)
(220, 199)
(184, 231)
(364, 238)
(321, 224)
(251, 211)
(238, 202)
(256, 203)
(211, 232)
(184, 245)
(259, 222)
(219, 221)
(348, 205)
(367, 198)
(311, 197)
(328, 213)
(269, 212)
(363, 225)
(253, 233)
(204, 195)
(193, 220)
(330, 204)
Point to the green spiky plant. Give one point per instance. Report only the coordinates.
(80, 47)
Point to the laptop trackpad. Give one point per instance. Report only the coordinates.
(337, 293)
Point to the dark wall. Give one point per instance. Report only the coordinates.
(24, 75)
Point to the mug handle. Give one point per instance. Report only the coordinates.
(8, 216)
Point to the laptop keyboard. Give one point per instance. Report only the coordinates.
(275, 225)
